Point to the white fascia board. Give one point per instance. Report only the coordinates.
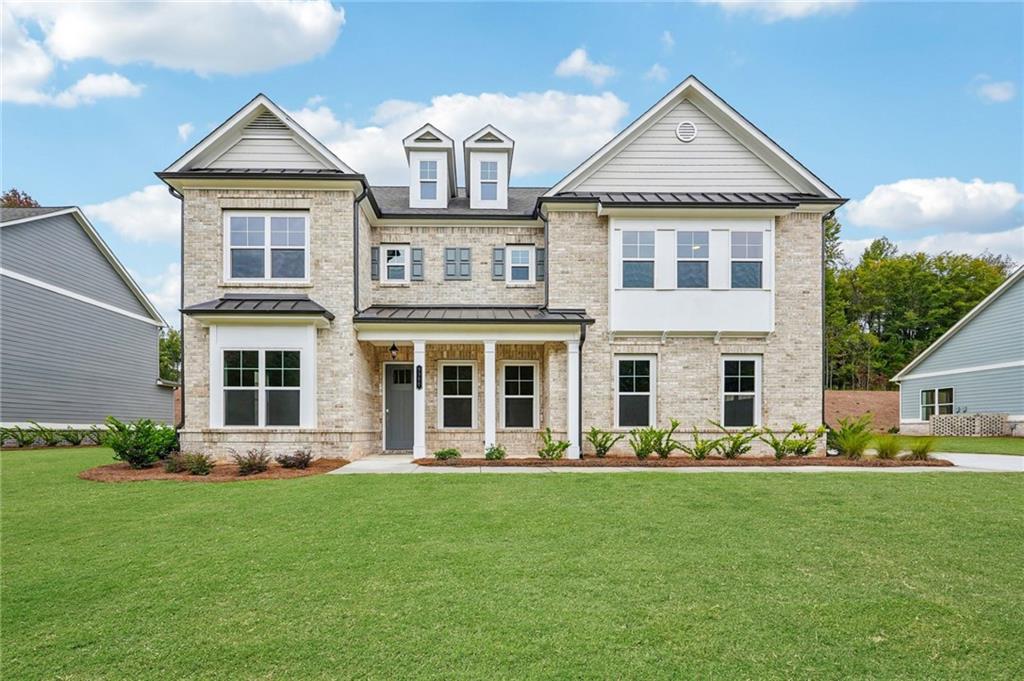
(55, 212)
(963, 370)
(975, 311)
(507, 145)
(221, 319)
(465, 333)
(446, 144)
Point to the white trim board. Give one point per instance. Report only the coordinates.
(77, 296)
(964, 370)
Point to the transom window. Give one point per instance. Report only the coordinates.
(456, 396)
(489, 180)
(396, 263)
(936, 401)
(747, 259)
(262, 387)
(520, 395)
(252, 255)
(740, 391)
(520, 264)
(637, 259)
(634, 391)
(692, 259)
(428, 179)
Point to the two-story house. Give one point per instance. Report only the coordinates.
(677, 272)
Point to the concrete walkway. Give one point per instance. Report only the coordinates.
(403, 464)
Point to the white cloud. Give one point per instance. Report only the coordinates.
(657, 72)
(1009, 242)
(943, 203)
(97, 86)
(992, 91)
(668, 41)
(164, 291)
(578, 64)
(150, 214)
(553, 130)
(771, 11)
(185, 131)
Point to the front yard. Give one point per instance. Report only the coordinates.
(971, 445)
(636, 575)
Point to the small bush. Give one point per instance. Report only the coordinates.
(252, 462)
(852, 437)
(887, 447)
(734, 444)
(701, 448)
(446, 454)
(803, 442)
(96, 435)
(139, 444)
(644, 441)
(195, 463)
(175, 463)
(48, 436)
(552, 449)
(495, 453)
(666, 444)
(921, 450)
(602, 441)
(73, 436)
(23, 437)
(300, 459)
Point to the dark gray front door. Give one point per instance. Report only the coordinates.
(398, 406)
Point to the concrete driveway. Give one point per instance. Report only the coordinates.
(1004, 463)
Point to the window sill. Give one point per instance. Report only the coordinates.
(265, 283)
(519, 429)
(677, 288)
(524, 284)
(395, 284)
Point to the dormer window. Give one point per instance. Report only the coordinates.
(488, 180)
(428, 180)
(431, 156)
(488, 158)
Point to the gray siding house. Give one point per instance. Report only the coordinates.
(977, 367)
(79, 340)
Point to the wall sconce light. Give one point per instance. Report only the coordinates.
(394, 351)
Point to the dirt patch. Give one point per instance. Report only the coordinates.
(684, 462)
(883, 405)
(222, 472)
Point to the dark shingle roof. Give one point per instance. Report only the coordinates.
(710, 199)
(260, 303)
(9, 214)
(394, 201)
(472, 314)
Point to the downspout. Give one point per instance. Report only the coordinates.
(181, 302)
(579, 386)
(355, 247)
(547, 260)
(824, 338)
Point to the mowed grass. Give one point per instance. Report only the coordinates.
(636, 575)
(970, 445)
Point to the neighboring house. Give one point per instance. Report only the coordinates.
(677, 272)
(78, 337)
(977, 367)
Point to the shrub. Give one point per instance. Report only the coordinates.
(802, 442)
(852, 437)
(97, 435)
(446, 454)
(701, 448)
(73, 436)
(253, 461)
(666, 444)
(921, 450)
(5, 435)
(139, 444)
(495, 453)
(734, 444)
(48, 436)
(300, 459)
(175, 463)
(644, 441)
(23, 437)
(195, 463)
(887, 447)
(602, 441)
(552, 449)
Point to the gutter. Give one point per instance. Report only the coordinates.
(355, 246)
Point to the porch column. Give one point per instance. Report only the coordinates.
(490, 396)
(572, 416)
(419, 399)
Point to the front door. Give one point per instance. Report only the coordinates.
(397, 406)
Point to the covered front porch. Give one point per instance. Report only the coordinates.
(471, 377)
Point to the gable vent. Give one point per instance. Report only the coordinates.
(266, 121)
(686, 131)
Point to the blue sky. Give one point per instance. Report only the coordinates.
(912, 110)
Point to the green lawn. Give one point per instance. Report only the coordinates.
(972, 445)
(637, 575)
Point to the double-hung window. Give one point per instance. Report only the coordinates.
(934, 402)
(255, 254)
(520, 264)
(456, 409)
(692, 259)
(747, 259)
(489, 180)
(520, 395)
(634, 392)
(262, 387)
(396, 263)
(741, 391)
(428, 180)
(638, 259)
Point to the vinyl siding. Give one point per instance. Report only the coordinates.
(657, 161)
(266, 152)
(999, 391)
(65, 361)
(58, 251)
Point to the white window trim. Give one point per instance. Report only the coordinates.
(266, 215)
(935, 404)
(653, 405)
(436, 179)
(764, 274)
(532, 250)
(440, 394)
(623, 259)
(535, 397)
(758, 364)
(497, 175)
(261, 386)
(407, 252)
(706, 260)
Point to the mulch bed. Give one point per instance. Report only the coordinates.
(685, 462)
(222, 472)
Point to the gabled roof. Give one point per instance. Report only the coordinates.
(260, 113)
(19, 214)
(41, 213)
(430, 138)
(953, 330)
(731, 120)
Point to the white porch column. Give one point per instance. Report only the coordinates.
(572, 416)
(490, 396)
(419, 400)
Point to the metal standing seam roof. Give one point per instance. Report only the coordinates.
(259, 303)
(471, 314)
(711, 199)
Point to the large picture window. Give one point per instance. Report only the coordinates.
(936, 401)
(637, 259)
(520, 395)
(692, 259)
(267, 246)
(741, 391)
(262, 387)
(634, 398)
(747, 259)
(456, 396)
